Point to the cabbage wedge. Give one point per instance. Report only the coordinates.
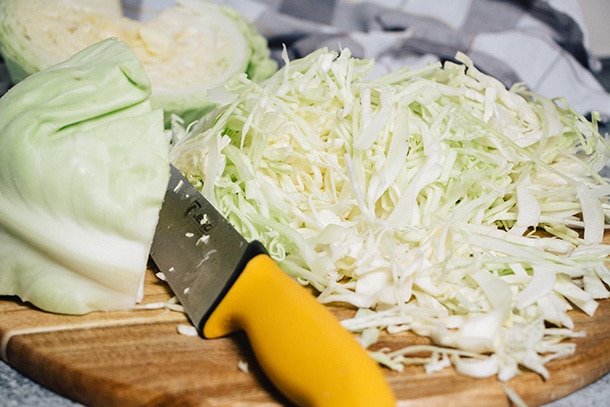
(83, 171)
(186, 50)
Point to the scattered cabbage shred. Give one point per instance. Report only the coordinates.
(433, 200)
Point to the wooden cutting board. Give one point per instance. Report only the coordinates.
(137, 358)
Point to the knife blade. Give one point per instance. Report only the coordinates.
(226, 284)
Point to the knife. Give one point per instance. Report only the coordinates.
(226, 284)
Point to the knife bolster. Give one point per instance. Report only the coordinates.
(254, 249)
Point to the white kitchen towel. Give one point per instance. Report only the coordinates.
(541, 43)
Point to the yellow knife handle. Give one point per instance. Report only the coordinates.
(300, 345)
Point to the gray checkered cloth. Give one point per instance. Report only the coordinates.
(540, 43)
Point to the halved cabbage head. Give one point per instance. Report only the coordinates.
(83, 171)
(186, 50)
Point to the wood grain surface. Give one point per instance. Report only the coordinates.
(137, 358)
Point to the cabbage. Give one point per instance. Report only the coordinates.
(186, 50)
(83, 170)
(433, 200)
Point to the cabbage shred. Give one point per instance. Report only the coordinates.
(434, 200)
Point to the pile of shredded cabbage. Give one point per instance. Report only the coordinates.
(433, 200)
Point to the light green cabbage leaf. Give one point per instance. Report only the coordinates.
(83, 172)
(186, 50)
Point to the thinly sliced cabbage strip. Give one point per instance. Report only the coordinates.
(436, 200)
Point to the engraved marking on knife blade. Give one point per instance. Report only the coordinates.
(193, 211)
